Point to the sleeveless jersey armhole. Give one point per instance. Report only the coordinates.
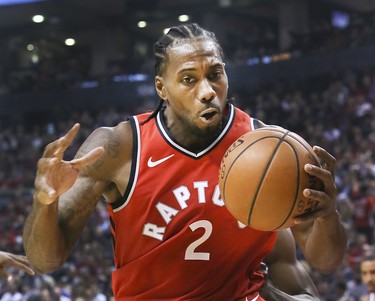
(254, 124)
(118, 205)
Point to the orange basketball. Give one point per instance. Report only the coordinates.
(262, 178)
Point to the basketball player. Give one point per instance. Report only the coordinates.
(367, 268)
(173, 238)
(11, 260)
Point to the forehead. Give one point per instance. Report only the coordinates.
(189, 52)
(368, 265)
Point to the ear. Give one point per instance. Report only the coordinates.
(159, 85)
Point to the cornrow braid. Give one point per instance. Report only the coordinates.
(154, 113)
(183, 32)
(177, 34)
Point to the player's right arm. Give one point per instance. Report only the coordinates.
(288, 279)
(66, 192)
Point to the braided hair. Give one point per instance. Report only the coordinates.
(177, 34)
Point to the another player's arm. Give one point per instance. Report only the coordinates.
(288, 279)
(13, 260)
(320, 234)
(66, 192)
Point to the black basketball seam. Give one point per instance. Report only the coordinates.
(231, 165)
(297, 186)
(284, 133)
(302, 142)
(263, 175)
(313, 156)
(237, 157)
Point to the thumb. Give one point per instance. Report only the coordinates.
(89, 158)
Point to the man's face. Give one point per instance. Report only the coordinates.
(368, 274)
(194, 86)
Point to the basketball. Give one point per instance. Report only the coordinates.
(262, 178)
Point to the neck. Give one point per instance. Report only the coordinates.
(187, 137)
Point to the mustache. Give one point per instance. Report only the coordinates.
(211, 106)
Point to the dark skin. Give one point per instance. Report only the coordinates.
(8, 260)
(288, 279)
(194, 87)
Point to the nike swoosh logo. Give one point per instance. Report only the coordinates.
(151, 163)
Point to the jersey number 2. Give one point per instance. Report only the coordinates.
(190, 253)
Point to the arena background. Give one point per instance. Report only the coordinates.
(305, 65)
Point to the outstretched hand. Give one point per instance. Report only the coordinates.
(12, 260)
(326, 197)
(54, 175)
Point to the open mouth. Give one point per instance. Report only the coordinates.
(208, 115)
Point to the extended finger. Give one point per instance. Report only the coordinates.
(323, 174)
(315, 194)
(19, 258)
(328, 159)
(22, 263)
(87, 159)
(58, 147)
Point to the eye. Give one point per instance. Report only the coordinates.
(216, 74)
(187, 79)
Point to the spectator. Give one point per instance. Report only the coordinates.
(367, 269)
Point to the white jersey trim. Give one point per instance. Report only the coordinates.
(254, 299)
(212, 145)
(252, 125)
(135, 179)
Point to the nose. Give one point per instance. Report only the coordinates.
(206, 92)
(366, 279)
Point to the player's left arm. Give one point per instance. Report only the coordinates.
(320, 234)
(287, 277)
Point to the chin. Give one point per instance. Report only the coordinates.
(209, 131)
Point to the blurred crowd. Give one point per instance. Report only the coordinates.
(53, 66)
(321, 37)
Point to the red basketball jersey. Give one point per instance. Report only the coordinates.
(173, 237)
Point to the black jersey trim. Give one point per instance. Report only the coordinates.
(164, 132)
(255, 123)
(119, 204)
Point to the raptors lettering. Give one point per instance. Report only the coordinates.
(183, 197)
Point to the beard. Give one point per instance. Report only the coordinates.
(208, 131)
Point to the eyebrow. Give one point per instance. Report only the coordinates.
(193, 68)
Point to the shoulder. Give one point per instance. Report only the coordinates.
(104, 135)
(117, 142)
